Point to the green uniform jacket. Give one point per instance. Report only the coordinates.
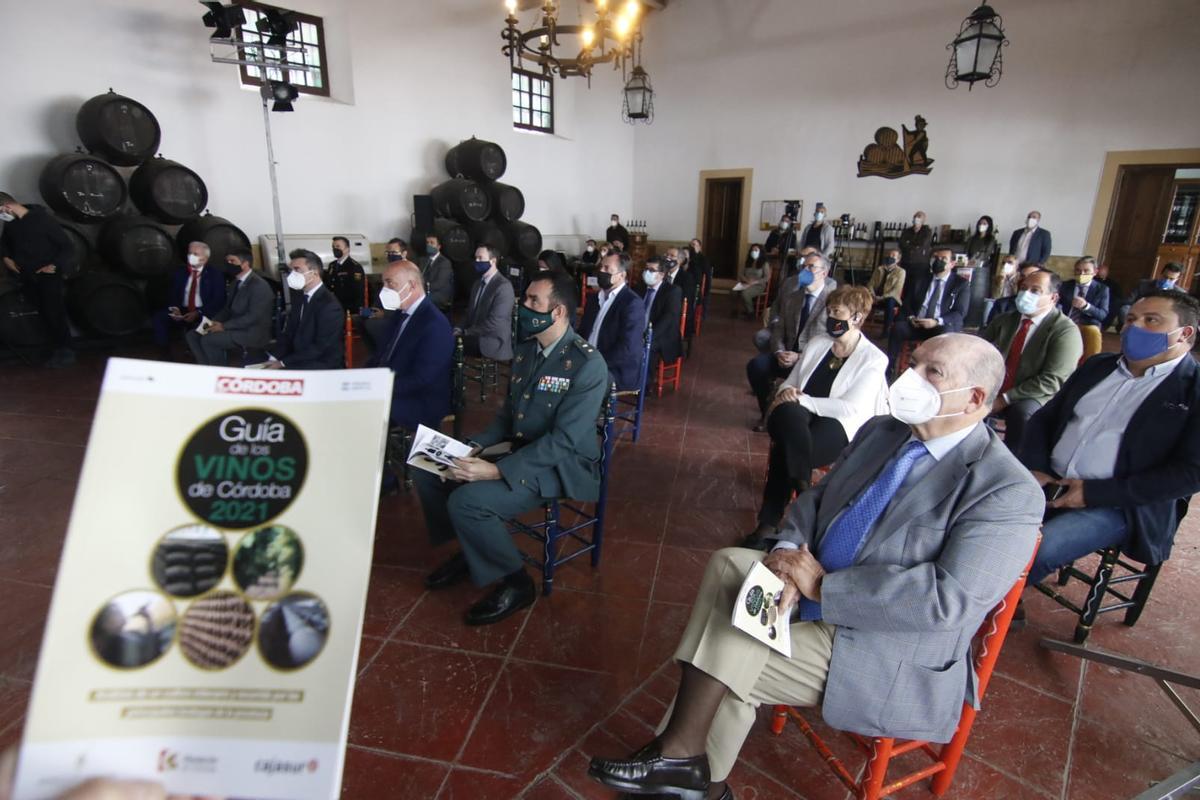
(550, 417)
(1050, 356)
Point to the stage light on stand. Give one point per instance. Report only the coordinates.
(279, 24)
(284, 94)
(223, 18)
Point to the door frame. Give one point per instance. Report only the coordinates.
(747, 176)
(1106, 194)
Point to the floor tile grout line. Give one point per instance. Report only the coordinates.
(1010, 775)
(1066, 775)
(383, 751)
(1043, 692)
(751, 767)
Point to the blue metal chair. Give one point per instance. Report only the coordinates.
(550, 531)
(634, 400)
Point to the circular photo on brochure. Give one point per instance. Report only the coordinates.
(190, 560)
(133, 629)
(216, 631)
(267, 562)
(243, 468)
(293, 631)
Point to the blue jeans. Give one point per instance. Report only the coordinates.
(1073, 533)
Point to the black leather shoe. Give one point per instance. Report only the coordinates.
(649, 772)
(505, 600)
(449, 573)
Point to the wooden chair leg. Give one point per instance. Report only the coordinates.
(1095, 598)
(550, 550)
(779, 720)
(1064, 574)
(881, 754)
(1142, 593)
(951, 752)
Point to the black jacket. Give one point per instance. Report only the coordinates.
(346, 281)
(316, 338)
(1158, 461)
(664, 316)
(621, 335)
(36, 240)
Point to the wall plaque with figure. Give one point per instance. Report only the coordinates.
(886, 158)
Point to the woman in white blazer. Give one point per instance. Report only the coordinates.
(837, 386)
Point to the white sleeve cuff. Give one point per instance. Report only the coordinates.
(785, 546)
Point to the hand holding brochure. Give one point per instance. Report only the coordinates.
(434, 451)
(756, 610)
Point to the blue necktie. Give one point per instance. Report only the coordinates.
(846, 535)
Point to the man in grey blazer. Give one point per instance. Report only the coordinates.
(245, 321)
(487, 330)
(438, 273)
(797, 314)
(919, 530)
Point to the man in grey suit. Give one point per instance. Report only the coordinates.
(797, 314)
(438, 273)
(488, 328)
(244, 323)
(895, 558)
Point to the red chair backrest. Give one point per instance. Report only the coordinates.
(683, 317)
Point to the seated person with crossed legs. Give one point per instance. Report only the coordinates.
(1041, 347)
(1121, 441)
(895, 557)
(837, 386)
(559, 383)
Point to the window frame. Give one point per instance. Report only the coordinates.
(530, 95)
(301, 17)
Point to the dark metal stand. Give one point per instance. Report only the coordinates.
(1183, 781)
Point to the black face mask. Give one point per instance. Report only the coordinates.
(604, 280)
(938, 265)
(338, 252)
(392, 257)
(231, 270)
(836, 327)
(889, 261)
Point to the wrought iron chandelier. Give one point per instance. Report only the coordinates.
(975, 52)
(612, 37)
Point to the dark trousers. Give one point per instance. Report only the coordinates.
(761, 372)
(162, 325)
(374, 331)
(903, 331)
(800, 442)
(475, 514)
(471, 347)
(891, 312)
(45, 290)
(1015, 417)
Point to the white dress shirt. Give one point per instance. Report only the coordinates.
(606, 300)
(1089, 444)
(193, 275)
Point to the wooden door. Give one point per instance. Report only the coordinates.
(1135, 229)
(722, 223)
(1181, 236)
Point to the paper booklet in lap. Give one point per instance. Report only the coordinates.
(434, 451)
(756, 611)
(206, 616)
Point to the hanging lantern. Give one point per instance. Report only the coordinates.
(975, 52)
(639, 98)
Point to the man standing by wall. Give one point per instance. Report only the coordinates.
(34, 247)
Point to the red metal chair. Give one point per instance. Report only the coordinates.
(700, 304)
(674, 371)
(349, 338)
(763, 301)
(880, 750)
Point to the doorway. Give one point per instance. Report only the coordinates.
(723, 225)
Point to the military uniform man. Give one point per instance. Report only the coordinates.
(559, 383)
(345, 277)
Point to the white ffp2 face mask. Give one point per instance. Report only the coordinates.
(390, 299)
(914, 400)
(194, 260)
(295, 281)
(7, 217)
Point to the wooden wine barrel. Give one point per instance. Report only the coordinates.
(20, 323)
(218, 233)
(122, 130)
(525, 240)
(84, 258)
(464, 200)
(106, 304)
(508, 204)
(168, 191)
(489, 234)
(82, 188)
(477, 160)
(138, 246)
(456, 242)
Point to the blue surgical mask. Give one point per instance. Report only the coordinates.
(1139, 344)
(805, 277)
(482, 266)
(431, 249)
(1026, 302)
(394, 257)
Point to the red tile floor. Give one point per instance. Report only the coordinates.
(515, 710)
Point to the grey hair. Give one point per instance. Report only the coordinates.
(822, 261)
(981, 364)
(207, 249)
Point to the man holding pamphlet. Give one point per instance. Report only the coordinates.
(885, 569)
(559, 382)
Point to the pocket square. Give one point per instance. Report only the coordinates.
(1179, 407)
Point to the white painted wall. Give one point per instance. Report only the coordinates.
(795, 89)
(410, 78)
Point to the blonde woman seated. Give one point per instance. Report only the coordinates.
(836, 386)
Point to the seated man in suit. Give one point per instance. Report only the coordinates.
(1085, 300)
(197, 290)
(1116, 298)
(417, 346)
(488, 330)
(662, 303)
(345, 277)
(924, 523)
(244, 323)
(314, 335)
(1122, 439)
(676, 275)
(558, 387)
(1032, 243)
(797, 315)
(614, 321)
(438, 273)
(1168, 279)
(937, 304)
(1041, 348)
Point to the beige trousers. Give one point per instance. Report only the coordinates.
(754, 673)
